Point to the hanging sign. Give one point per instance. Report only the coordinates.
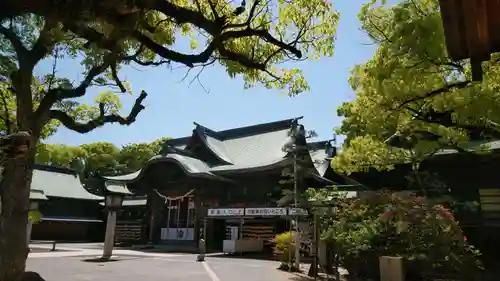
(226, 212)
(265, 212)
(296, 212)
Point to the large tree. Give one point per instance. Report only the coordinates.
(251, 40)
(410, 94)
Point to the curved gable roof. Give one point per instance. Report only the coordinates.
(242, 149)
(213, 144)
(59, 183)
(190, 166)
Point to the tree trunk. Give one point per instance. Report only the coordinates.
(14, 192)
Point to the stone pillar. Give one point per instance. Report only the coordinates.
(391, 269)
(109, 239)
(322, 253)
(29, 227)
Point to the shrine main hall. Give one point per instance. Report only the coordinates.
(227, 186)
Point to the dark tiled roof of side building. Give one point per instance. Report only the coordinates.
(59, 182)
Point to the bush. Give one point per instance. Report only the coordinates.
(426, 235)
(285, 249)
(35, 216)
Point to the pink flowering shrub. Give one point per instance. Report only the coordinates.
(426, 235)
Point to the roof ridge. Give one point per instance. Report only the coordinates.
(55, 169)
(261, 128)
(207, 131)
(240, 132)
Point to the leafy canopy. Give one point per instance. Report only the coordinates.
(101, 157)
(410, 94)
(251, 40)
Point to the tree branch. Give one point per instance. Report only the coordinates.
(112, 13)
(445, 119)
(135, 58)
(188, 60)
(251, 15)
(45, 42)
(447, 88)
(114, 73)
(21, 51)
(59, 94)
(409, 140)
(70, 123)
(219, 37)
(380, 31)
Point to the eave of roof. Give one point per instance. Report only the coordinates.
(474, 146)
(191, 166)
(36, 194)
(70, 219)
(117, 187)
(132, 202)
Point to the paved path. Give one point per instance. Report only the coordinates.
(134, 266)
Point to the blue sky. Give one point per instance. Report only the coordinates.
(172, 106)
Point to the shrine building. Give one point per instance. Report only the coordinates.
(223, 185)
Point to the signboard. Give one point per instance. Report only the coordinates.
(265, 212)
(226, 212)
(296, 212)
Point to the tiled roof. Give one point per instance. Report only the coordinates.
(60, 183)
(191, 166)
(474, 146)
(241, 149)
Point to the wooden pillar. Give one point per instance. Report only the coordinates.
(156, 205)
(151, 225)
(186, 230)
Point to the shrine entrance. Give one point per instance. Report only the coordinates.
(178, 219)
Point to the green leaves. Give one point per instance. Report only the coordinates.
(135, 156)
(412, 90)
(88, 158)
(424, 234)
(111, 101)
(309, 25)
(35, 216)
(366, 152)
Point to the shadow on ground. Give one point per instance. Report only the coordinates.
(32, 276)
(321, 277)
(113, 259)
(265, 257)
(44, 250)
(99, 260)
